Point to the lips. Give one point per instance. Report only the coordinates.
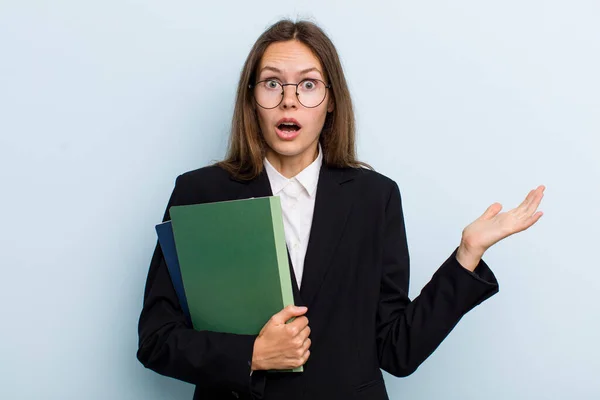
(288, 128)
(288, 124)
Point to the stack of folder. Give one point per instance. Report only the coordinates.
(228, 263)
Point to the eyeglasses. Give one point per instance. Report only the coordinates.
(309, 92)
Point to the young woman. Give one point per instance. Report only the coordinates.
(293, 136)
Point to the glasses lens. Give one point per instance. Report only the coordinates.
(268, 94)
(311, 92)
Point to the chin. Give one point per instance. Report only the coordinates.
(291, 148)
(288, 149)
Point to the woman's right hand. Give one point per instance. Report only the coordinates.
(280, 345)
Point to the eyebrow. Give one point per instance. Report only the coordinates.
(304, 71)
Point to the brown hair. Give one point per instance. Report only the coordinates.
(247, 147)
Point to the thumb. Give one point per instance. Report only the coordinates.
(288, 313)
(492, 211)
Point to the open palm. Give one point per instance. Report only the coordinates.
(494, 226)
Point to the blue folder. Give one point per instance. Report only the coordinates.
(167, 244)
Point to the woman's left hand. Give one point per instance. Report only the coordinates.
(494, 226)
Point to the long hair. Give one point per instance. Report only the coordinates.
(247, 147)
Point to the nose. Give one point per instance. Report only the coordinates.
(289, 97)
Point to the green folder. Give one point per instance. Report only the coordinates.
(233, 262)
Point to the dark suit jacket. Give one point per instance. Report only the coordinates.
(355, 286)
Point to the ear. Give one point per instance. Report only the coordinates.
(330, 105)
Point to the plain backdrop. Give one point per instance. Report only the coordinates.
(463, 103)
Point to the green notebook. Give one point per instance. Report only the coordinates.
(233, 262)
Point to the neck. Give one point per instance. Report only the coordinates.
(290, 166)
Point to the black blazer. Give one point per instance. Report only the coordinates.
(355, 286)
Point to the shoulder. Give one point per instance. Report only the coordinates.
(210, 183)
(371, 180)
(208, 175)
(369, 188)
(373, 177)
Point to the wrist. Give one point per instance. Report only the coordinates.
(467, 257)
(255, 364)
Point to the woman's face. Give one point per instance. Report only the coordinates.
(291, 130)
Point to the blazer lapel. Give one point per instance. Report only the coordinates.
(298, 301)
(332, 206)
(258, 187)
(261, 187)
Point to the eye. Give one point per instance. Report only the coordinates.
(271, 84)
(309, 84)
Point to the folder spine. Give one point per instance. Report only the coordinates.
(281, 249)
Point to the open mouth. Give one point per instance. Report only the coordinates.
(288, 127)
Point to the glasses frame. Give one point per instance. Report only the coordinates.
(283, 85)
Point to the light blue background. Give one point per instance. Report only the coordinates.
(463, 103)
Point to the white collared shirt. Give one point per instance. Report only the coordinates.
(297, 197)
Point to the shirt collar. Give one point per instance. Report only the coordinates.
(308, 177)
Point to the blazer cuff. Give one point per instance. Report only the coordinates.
(482, 271)
(238, 361)
(473, 287)
(258, 381)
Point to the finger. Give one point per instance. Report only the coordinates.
(535, 201)
(287, 313)
(531, 198)
(299, 361)
(527, 199)
(299, 324)
(305, 357)
(304, 333)
(528, 222)
(306, 345)
(492, 211)
(521, 210)
(301, 356)
(533, 219)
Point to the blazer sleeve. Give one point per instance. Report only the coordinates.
(169, 346)
(409, 331)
